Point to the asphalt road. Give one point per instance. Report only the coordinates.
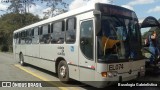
(10, 70)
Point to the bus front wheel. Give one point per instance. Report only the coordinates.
(63, 71)
(21, 60)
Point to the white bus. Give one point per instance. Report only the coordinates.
(100, 43)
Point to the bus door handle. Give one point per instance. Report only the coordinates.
(86, 62)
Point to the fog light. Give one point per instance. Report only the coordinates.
(104, 74)
(112, 74)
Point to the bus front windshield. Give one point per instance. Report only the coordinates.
(118, 39)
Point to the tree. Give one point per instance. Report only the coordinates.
(28, 4)
(23, 6)
(16, 6)
(19, 6)
(13, 21)
(56, 7)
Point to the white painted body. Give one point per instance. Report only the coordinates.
(45, 55)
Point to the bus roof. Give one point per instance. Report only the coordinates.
(67, 14)
(59, 17)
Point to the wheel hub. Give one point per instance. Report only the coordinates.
(63, 71)
(21, 62)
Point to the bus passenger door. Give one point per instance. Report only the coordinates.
(86, 51)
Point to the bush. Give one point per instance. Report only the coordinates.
(4, 48)
(10, 48)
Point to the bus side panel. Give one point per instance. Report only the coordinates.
(48, 52)
(23, 49)
(35, 50)
(69, 52)
(48, 65)
(71, 56)
(32, 51)
(33, 56)
(28, 53)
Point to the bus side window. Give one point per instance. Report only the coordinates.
(45, 37)
(19, 40)
(15, 37)
(30, 36)
(71, 30)
(23, 37)
(35, 39)
(27, 37)
(51, 31)
(40, 30)
(58, 33)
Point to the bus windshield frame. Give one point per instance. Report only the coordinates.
(123, 44)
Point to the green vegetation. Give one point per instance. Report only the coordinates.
(20, 16)
(10, 22)
(24, 6)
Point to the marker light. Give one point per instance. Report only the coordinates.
(104, 74)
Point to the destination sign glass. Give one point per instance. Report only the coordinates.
(116, 10)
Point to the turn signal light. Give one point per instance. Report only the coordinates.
(104, 74)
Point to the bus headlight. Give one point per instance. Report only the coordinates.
(112, 74)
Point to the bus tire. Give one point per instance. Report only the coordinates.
(63, 71)
(21, 60)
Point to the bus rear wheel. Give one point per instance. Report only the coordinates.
(21, 60)
(63, 72)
